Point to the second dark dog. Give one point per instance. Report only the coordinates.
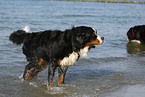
(137, 34)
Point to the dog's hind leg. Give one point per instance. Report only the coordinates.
(27, 71)
(61, 74)
(42, 66)
(33, 69)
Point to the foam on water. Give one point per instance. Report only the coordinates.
(56, 90)
(21, 77)
(33, 84)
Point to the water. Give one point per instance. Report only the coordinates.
(115, 69)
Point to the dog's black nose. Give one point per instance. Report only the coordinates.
(102, 38)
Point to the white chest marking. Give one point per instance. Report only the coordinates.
(137, 41)
(84, 51)
(70, 60)
(73, 57)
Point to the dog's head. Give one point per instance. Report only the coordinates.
(85, 37)
(132, 34)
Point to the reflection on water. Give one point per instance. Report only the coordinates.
(135, 48)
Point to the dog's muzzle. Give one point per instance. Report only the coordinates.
(101, 39)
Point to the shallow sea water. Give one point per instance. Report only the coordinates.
(115, 69)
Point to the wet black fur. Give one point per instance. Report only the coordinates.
(139, 33)
(51, 45)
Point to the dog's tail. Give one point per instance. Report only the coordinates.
(18, 36)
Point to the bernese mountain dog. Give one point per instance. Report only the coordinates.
(57, 48)
(136, 34)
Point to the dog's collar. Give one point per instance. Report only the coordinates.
(132, 33)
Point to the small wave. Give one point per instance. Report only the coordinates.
(56, 90)
(76, 15)
(21, 77)
(33, 84)
(65, 89)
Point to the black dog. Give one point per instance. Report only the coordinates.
(137, 34)
(59, 49)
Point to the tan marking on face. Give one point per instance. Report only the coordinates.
(95, 42)
(128, 40)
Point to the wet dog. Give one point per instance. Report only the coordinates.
(59, 49)
(136, 34)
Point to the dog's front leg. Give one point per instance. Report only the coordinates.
(61, 74)
(51, 72)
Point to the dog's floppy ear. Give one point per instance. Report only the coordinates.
(77, 38)
(78, 31)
